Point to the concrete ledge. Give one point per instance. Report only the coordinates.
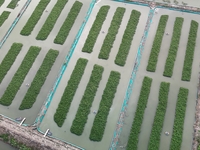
(31, 138)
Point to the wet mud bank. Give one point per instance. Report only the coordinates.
(16, 135)
(196, 139)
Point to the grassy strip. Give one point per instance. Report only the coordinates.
(12, 4)
(169, 65)
(51, 20)
(154, 141)
(87, 100)
(127, 38)
(157, 44)
(9, 59)
(19, 76)
(35, 17)
(3, 17)
(39, 80)
(100, 120)
(96, 27)
(1, 2)
(67, 25)
(112, 33)
(139, 114)
(187, 68)
(181, 105)
(70, 90)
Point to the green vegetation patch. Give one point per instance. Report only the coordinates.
(9, 59)
(155, 50)
(139, 114)
(169, 65)
(51, 20)
(154, 141)
(67, 25)
(3, 17)
(187, 68)
(87, 100)
(112, 33)
(12, 4)
(1, 2)
(100, 120)
(39, 80)
(181, 105)
(35, 17)
(19, 76)
(96, 27)
(70, 90)
(127, 38)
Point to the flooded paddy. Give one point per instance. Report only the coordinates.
(13, 111)
(109, 65)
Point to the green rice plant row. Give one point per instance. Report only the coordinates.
(139, 114)
(70, 90)
(35, 17)
(3, 17)
(1, 2)
(112, 33)
(12, 4)
(155, 50)
(51, 20)
(39, 80)
(100, 120)
(169, 65)
(127, 38)
(95, 30)
(181, 105)
(67, 25)
(9, 59)
(187, 67)
(154, 141)
(19, 76)
(87, 100)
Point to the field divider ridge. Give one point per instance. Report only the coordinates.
(120, 122)
(15, 22)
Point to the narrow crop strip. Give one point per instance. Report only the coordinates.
(181, 105)
(39, 80)
(9, 59)
(169, 65)
(87, 100)
(155, 50)
(187, 67)
(51, 20)
(139, 114)
(12, 4)
(1, 2)
(3, 17)
(100, 120)
(96, 27)
(35, 17)
(19, 76)
(154, 141)
(67, 25)
(127, 38)
(112, 33)
(70, 90)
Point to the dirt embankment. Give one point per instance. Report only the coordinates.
(31, 138)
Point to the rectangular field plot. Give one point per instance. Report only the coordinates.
(171, 60)
(86, 105)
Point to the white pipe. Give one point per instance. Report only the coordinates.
(22, 121)
(46, 132)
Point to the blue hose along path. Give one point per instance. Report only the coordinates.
(14, 22)
(120, 122)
